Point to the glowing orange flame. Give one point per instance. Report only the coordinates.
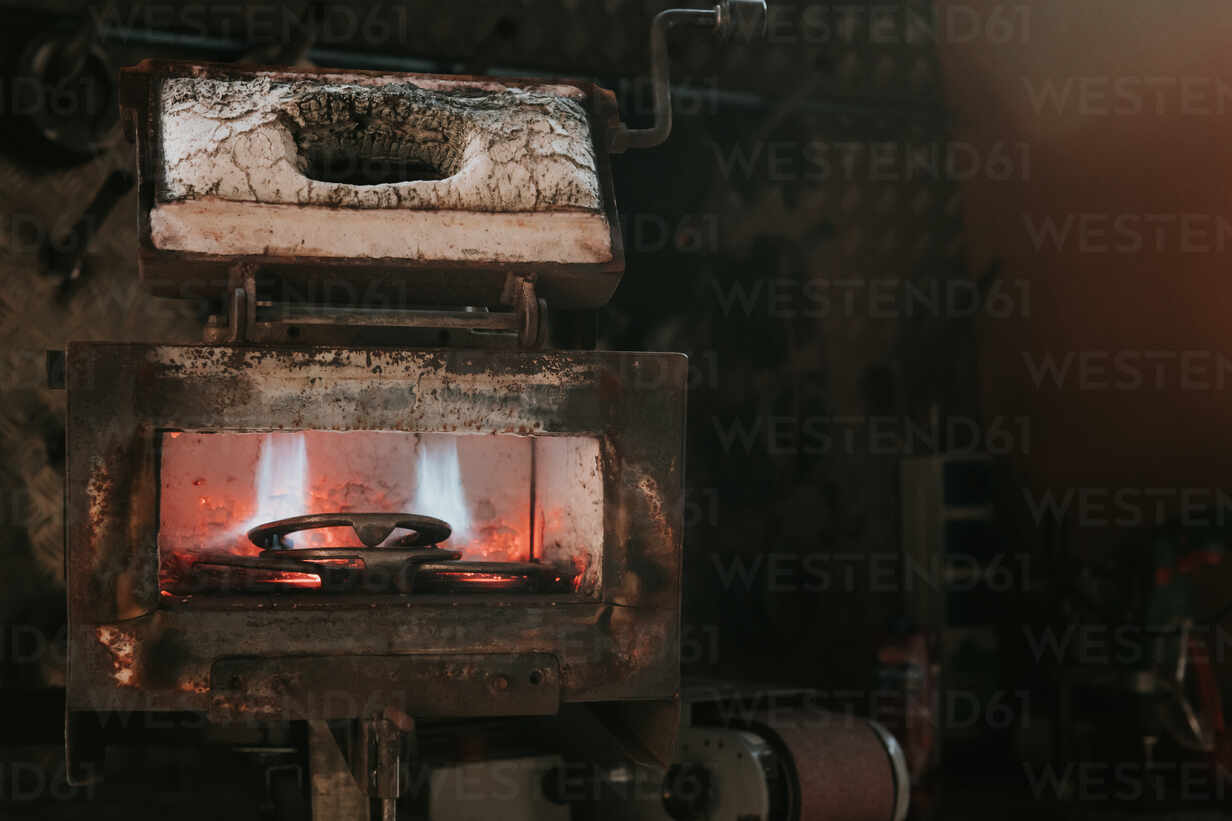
(217, 486)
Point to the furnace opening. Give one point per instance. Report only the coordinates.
(374, 136)
(379, 512)
(352, 169)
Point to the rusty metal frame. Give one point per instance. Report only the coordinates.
(131, 648)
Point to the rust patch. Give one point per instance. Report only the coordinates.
(98, 494)
(198, 684)
(122, 647)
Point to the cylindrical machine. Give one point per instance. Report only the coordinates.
(837, 767)
(787, 764)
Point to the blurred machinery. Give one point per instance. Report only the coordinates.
(742, 753)
(1134, 632)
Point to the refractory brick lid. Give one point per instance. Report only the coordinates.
(405, 171)
(511, 150)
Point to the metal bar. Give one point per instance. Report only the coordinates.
(375, 317)
(66, 255)
(385, 766)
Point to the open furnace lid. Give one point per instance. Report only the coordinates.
(433, 187)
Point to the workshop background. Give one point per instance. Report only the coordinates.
(952, 279)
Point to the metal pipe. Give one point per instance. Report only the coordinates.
(623, 137)
(65, 256)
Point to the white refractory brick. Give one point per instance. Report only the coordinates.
(517, 166)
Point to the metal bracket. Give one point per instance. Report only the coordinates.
(344, 790)
(249, 319)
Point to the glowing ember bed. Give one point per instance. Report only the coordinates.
(444, 512)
